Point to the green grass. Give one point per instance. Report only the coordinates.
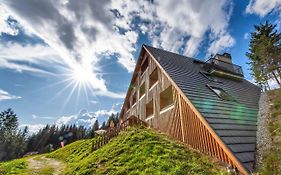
(18, 166)
(272, 160)
(46, 171)
(137, 151)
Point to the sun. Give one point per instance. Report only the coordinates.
(79, 79)
(81, 75)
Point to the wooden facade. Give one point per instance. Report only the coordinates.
(154, 98)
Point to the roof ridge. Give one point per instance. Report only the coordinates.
(161, 49)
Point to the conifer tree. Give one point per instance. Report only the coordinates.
(12, 140)
(265, 54)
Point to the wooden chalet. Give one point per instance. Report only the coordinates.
(207, 105)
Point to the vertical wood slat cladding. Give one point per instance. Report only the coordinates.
(191, 131)
(184, 125)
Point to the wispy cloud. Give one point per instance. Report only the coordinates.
(181, 26)
(77, 34)
(75, 29)
(22, 57)
(4, 95)
(5, 27)
(77, 37)
(263, 7)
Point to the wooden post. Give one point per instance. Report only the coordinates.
(181, 118)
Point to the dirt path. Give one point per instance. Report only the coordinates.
(41, 165)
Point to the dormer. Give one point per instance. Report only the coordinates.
(221, 65)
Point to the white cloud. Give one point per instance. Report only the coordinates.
(77, 30)
(222, 42)
(182, 25)
(77, 34)
(5, 27)
(86, 118)
(263, 7)
(12, 56)
(4, 95)
(32, 128)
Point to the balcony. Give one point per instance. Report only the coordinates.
(219, 67)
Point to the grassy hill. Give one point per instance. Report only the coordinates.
(136, 151)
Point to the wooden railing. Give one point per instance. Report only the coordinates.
(113, 132)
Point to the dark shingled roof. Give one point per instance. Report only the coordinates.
(234, 121)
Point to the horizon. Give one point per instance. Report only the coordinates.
(66, 62)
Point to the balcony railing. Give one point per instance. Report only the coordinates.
(218, 65)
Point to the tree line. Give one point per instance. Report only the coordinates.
(265, 54)
(15, 142)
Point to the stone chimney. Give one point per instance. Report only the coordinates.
(226, 57)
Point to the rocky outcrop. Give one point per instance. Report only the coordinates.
(263, 134)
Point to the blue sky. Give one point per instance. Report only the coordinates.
(67, 61)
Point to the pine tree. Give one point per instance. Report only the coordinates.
(103, 126)
(12, 140)
(265, 54)
(111, 118)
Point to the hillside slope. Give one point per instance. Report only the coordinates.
(272, 160)
(136, 151)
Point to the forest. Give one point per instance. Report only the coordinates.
(15, 142)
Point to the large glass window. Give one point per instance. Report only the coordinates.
(166, 98)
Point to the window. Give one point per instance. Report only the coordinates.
(134, 100)
(221, 93)
(142, 89)
(144, 66)
(166, 98)
(153, 78)
(149, 109)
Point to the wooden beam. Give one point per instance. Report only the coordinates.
(181, 117)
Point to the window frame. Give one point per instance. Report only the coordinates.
(229, 97)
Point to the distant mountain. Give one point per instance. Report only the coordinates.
(85, 118)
